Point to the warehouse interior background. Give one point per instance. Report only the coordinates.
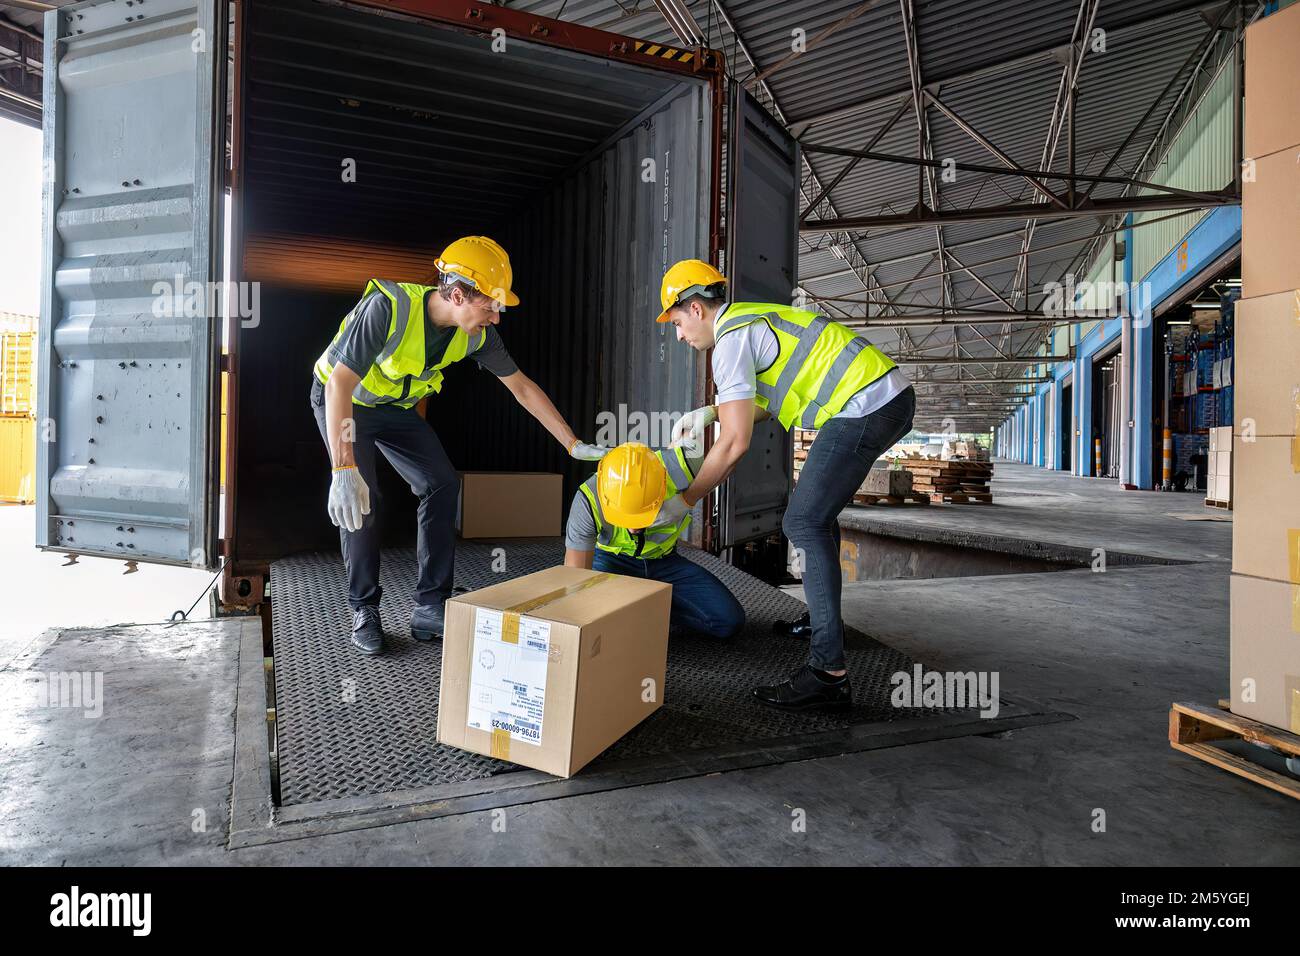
(1034, 208)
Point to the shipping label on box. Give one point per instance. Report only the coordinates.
(507, 687)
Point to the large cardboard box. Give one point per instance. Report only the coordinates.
(1266, 509)
(1267, 344)
(509, 504)
(1265, 651)
(549, 669)
(1272, 119)
(1270, 226)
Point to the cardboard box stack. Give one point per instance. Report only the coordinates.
(1218, 468)
(509, 504)
(549, 669)
(1265, 646)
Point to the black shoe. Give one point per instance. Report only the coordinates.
(427, 622)
(367, 631)
(799, 628)
(805, 690)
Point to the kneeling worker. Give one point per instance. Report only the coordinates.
(772, 360)
(390, 352)
(630, 513)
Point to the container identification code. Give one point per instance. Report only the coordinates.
(507, 687)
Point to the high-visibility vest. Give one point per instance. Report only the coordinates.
(820, 366)
(399, 376)
(659, 540)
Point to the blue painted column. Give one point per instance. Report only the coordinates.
(1142, 381)
(1083, 415)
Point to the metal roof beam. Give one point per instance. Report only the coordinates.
(1016, 170)
(1095, 209)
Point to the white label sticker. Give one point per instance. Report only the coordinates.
(507, 684)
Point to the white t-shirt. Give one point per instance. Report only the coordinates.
(739, 356)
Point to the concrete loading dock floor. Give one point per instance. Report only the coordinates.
(1111, 649)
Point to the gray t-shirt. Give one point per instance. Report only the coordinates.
(580, 532)
(366, 333)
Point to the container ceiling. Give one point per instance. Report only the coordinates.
(447, 134)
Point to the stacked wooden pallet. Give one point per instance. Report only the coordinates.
(803, 439)
(951, 482)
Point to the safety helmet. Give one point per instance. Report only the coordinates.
(631, 484)
(685, 278)
(482, 263)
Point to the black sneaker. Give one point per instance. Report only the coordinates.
(427, 622)
(367, 631)
(801, 628)
(805, 690)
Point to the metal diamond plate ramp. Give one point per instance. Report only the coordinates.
(349, 725)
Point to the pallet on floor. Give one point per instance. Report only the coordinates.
(1212, 503)
(958, 498)
(864, 498)
(1193, 728)
(952, 481)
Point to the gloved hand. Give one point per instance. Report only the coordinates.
(689, 429)
(672, 511)
(584, 452)
(349, 498)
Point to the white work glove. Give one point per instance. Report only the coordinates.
(584, 452)
(349, 498)
(673, 510)
(690, 428)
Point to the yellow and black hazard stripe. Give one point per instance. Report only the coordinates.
(663, 52)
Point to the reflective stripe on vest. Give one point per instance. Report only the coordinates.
(660, 540)
(819, 366)
(398, 376)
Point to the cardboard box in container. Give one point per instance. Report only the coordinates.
(509, 504)
(1272, 119)
(1265, 651)
(1270, 226)
(1212, 487)
(1266, 509)
(550, 669)
(1267, 344)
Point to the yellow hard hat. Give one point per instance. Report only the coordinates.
(481, 262)
(685, 278)
(631, 484)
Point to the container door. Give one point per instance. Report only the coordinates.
(761, 266)
(134, 154)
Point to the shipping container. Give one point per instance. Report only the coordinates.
(17, 459)
(365, 136)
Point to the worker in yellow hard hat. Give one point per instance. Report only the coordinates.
(771, 360)
(628, 518)
(389, 353)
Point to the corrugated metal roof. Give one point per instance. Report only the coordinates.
(997, 64)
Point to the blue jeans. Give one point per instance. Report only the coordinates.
(701, 602)
(838, 461)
